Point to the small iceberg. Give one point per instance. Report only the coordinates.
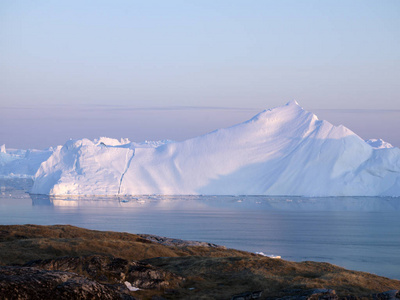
(270, 256)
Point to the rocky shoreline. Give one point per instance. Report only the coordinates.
(67, 262)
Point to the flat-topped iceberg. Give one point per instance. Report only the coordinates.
(281, 151)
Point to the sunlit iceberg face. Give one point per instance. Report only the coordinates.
(282, 151)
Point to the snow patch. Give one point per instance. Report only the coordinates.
(131, 287)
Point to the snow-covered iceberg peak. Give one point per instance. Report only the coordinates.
(105, 141)
(378, 143)
(280, 151)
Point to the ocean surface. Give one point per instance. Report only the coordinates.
(359, 233)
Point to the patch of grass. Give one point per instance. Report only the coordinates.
(22, 243)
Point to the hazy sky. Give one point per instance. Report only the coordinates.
(60, 60)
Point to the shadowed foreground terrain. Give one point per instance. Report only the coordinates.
(66, 262)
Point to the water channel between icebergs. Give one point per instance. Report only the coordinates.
(360, 233)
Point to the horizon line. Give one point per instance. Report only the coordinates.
(189, 107)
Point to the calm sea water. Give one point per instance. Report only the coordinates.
(359, 233)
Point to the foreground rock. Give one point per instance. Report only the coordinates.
(112, 270)
(178, 242)
(35, 284)
(84, 264)
(315, 294)
(388, 295)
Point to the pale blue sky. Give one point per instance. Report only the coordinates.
(242, 54)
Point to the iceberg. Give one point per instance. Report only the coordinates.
(15, 163)
(282, 151)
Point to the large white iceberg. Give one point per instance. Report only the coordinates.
(282, 151)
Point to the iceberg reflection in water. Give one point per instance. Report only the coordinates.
(360, 233)
(366, 204)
